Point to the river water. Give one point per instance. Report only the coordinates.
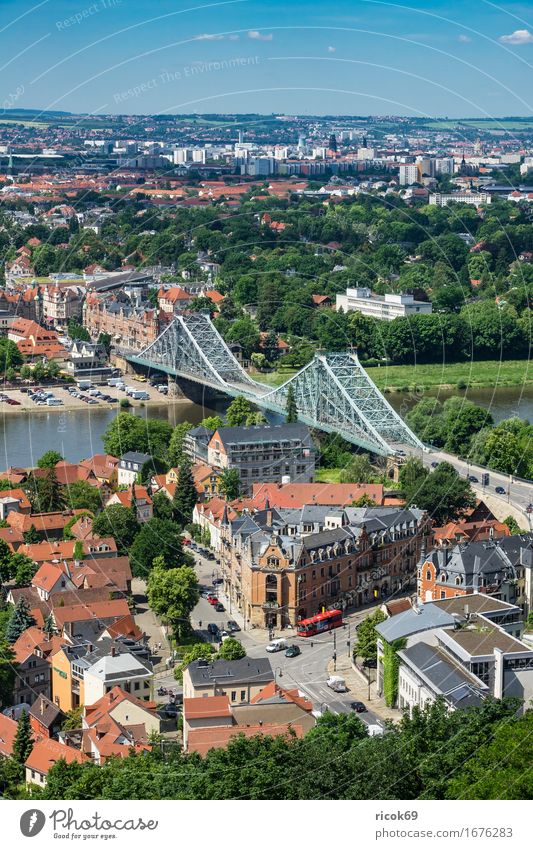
(77, 434)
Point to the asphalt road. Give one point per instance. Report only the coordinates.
(307, 672)
(519, 493)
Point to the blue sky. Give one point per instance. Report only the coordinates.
(428, 58)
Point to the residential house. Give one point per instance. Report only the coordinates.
(135, 497)
(501, 567)
(44, 755)
(46, 718)
(238, 680)
(211, 721)
(33, 650)
(129, 467)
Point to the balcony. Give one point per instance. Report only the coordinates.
(270, 605)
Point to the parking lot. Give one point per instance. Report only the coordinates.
(73, 397)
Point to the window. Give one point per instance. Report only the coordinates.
(233, 695)
(136, 685)
(146, 685)
(243, 695)
(428, 575)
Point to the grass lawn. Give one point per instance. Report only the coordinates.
(328, 475)
(486, 373)
(274, 378)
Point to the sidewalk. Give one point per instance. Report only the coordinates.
(357, 683)
(148, 622)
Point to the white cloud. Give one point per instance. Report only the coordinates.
(208, 36)
(233, 37)
(332, 49)
(258, 36)
(464, 39)
(519, 36)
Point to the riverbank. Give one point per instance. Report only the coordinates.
(480, 375)
(483, 374)
(69, 403)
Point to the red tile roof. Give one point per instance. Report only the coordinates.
(201, 740)
(206, 707)
(46, 753)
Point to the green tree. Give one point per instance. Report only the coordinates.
(73, 719)
(198, 651)
(443, 494)
(366, 645)
(238, 411)
(231, 649)
(49, 460)
(7, 673)
(19, 620)
(513, 525)
(500, 768)
(185, 496)
(175, 448)
(173, 594)
(6, 562)
(358, 470)
(230, 484)
(45, 493)
(76, 331)
(23, 568)
(23, 742)
(212, 422)
(157, 538)
(82, 495)
(118, 522)
(49, 626)
(162, 505)
(291, 414)
(31, 536)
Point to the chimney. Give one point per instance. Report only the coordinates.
(269, 518)
(113, 651)
(43, 706)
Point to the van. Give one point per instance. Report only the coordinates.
(53, 402)
(94, 393)
(84, 384)
(140, 395)
(277, 645)
(115, 381)
(337, 684)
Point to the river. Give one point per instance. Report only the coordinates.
(77, 434)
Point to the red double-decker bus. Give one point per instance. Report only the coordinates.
(320, 623)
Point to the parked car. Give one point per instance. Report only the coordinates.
(232, 626)
(473, 479)
(219, 607)
(218, 581)
(501, 490)
(293, 651)
(212, 599)
(358, 707)
(213, 629)
(171, 710)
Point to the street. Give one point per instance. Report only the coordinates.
(308, 672)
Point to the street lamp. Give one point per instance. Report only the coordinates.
(277, 669)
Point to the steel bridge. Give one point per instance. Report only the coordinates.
(332, 393)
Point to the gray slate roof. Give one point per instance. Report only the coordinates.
(243, 671)
(444, 676)
(414, 621)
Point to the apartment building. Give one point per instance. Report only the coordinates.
(456, 650)
(385, 308)
(280, 566)
(275, 453)
(472, 198)
(499, 567)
